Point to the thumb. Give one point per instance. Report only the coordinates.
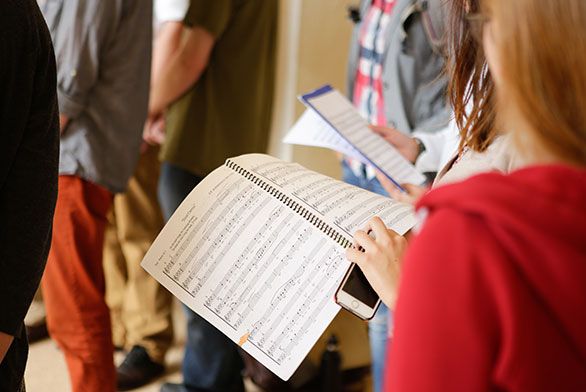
(385, 132)
(415, 191)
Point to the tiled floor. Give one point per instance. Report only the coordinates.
(46, 370)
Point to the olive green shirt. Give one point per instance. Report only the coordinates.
(228, 110)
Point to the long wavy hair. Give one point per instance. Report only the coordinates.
(471, 89)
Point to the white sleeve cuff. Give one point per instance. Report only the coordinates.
(170, 10)
(439, 148)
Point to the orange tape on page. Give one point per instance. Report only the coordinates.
(244, 339)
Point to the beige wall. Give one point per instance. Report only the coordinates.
(313, 49)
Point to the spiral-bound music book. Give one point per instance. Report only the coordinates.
(257, 249)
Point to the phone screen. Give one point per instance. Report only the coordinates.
(358, 287)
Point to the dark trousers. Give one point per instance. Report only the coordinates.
(211, 360)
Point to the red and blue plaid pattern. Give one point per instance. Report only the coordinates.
(368, 85)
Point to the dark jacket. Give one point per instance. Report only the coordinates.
(29, 151)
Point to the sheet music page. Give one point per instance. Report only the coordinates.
(254, 261)
(344, 206)
(341, 114)
(312, 130)
(252, 267)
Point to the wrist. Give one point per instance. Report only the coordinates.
(411, 149)
(419, 149)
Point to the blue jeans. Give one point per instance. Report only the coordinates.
(211, 360)
(378, 327)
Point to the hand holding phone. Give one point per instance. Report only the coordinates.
(355, 294)
(379, 264)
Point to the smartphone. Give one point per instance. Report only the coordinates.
(356, 295)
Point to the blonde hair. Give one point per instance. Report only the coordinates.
(542, 53)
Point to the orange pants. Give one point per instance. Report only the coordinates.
(73, 285)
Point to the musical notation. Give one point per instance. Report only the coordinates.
(257, 249)
(347, 206)
(337, 111)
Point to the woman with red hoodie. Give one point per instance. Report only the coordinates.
(493, 287)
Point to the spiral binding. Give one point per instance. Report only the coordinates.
(292, 204)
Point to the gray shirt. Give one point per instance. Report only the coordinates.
(103, 51)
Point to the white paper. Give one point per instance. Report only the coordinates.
(251, 258)
(312, 130)
(336, 110)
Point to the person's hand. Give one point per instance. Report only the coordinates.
(154, 130)
(412, 194)
(63, 123)
(5, 342)
(406, 145)
(381, 260)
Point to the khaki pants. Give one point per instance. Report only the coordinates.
(140, 307)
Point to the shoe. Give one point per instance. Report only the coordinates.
(170, 387)
(36, 333)
(118, 349)
(137, 369)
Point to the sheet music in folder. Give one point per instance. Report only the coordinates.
(257, 249)
(333, 122)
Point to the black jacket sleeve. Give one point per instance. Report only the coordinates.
(29, 154)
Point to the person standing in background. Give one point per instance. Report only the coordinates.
(395, 80)
(216, 95)
(29, 127)
(101, 49)
(140, 308)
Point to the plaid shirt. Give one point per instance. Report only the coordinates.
(368, 86)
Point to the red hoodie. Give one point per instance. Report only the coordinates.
(493, 295)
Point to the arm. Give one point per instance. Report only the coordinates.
(165, 46)
(183, 70)
(409, 148)
(5, 342)
(204, 23)
(438, 147)
(29, 156)
(405, 144)
(410, 196)
(63, 122)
